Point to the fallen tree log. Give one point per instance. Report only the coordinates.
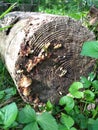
(42, 54)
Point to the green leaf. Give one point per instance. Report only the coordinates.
(47, 121)
(10, 114)
(95, 84)
(91, 76)
(9, 93)
(90, 49)
(82, 121)
(93, 124)
(77, 109)
(67, 121)
(85, 81)
(31, 126)
(2, 94)
(27, 115)
(89, 95)
(74, 90)
(49, 106)
(68, 101)
(73, 128)
(1, 117)
(62, 127)
(15, 124)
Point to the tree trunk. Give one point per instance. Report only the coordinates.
(42, 54)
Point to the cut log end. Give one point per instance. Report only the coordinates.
(47, 75)
(39, 76)
(48, 57)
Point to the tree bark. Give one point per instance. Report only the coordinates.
(42, 54)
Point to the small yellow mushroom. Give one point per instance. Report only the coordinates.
(19, 71)
(29, 65)
(26, 92)
(25, 81)
(57, 46)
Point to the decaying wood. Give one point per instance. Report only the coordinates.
(42, 54)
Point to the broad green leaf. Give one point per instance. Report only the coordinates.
(31, 126)
(74, 90)
(47, 121)
(89, 95)
(27, 115)
(68, 101)
(10, 114)
(85, 81)
(73, 128)
(95, 84)
(15, 124)
(90, 124)
(90, 49)
(62, 127)
(91, 121)
(82, 121)
(9, 93)
(67, 121)
(93, 124)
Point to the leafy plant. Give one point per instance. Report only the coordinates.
(90, 49)
(7, 93)
(67, 122)
(76, 111)
(33, 121)
(68, 102)
(49, 106)
(74, 90)
(80, 105)
(93, 124)
(8, 115)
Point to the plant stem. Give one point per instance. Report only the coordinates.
(95, 113)
(8, 10)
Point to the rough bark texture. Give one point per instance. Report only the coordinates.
(42, 54)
